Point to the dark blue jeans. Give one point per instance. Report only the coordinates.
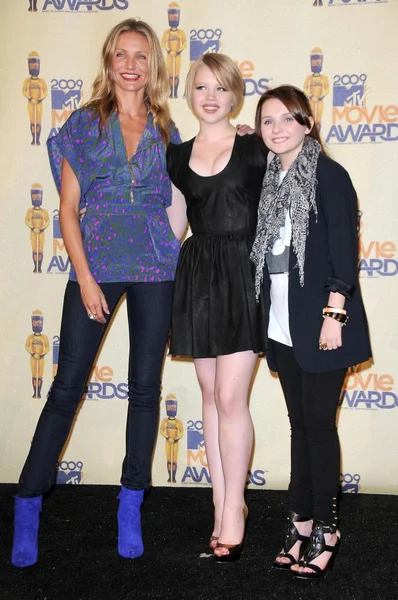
(149, 311)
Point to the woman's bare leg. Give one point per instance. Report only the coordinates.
(206, 373)
(234, 373)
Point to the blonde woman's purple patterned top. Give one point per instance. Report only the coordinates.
(126, 238)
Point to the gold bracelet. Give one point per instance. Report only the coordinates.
(342, 319)
(329, 309)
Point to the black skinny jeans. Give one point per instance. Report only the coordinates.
(149, 313)
(311, 400)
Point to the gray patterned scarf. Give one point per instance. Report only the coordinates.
(297, 192)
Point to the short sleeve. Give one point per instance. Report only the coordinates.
(68, 143)
(175, 137)
(171, 164)
(260, 151)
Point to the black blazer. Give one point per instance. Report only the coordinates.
(331, 265)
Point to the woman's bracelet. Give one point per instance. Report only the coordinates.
(338, 314)
(328, 309)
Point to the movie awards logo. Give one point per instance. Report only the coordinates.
(70, 472)
(256, 477)
(354, 119)
(66, 96)
(60, 262)
(349, 483)
(368, 391)
(334, 3)
(101, 385)
(82, 6)
(253, 85)
(377, 258)
(197, 469)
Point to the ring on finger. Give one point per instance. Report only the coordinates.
(92, 316)
(322, 345)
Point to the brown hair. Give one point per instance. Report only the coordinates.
(225, 71)
(103, 99)
(298, 106)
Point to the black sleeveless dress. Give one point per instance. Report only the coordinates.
(215, 311)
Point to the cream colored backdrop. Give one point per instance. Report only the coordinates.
(271, 40)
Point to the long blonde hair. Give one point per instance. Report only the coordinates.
(103, 99)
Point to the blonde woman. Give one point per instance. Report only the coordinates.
(215, 316)
(110, 160)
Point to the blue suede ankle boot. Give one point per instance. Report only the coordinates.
(129, 521)
(26, 531)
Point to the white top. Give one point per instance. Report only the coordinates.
(278, 328)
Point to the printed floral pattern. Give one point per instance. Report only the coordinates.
(123, 240)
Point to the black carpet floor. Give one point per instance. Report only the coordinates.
(79, 561)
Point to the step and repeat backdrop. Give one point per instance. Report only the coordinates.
(342, 54)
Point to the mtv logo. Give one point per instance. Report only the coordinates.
(195, 440)
(56, 228)
(198, 48)
(65, 99)
(349, 483)
(350, 488)
(70, 477)
(352, 96)
(69, 472)
(55, 349)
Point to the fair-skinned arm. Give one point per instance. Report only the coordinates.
(245, 130)
(331, 329)
(92, 296)
(177, 213)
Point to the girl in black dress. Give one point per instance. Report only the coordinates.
(216, 318)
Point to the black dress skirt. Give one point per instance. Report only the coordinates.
(215, 311)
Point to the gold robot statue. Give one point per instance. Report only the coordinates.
(172, 430)
(32, 6)
(316, 85)
(37, 220)
(35, 90)
(37, 345)
(174, 42)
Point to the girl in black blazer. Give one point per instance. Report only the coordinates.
(306, 257)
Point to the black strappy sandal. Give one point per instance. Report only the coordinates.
(315, 547)
(291, 537)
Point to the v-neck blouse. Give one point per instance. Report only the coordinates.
(123, 241)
